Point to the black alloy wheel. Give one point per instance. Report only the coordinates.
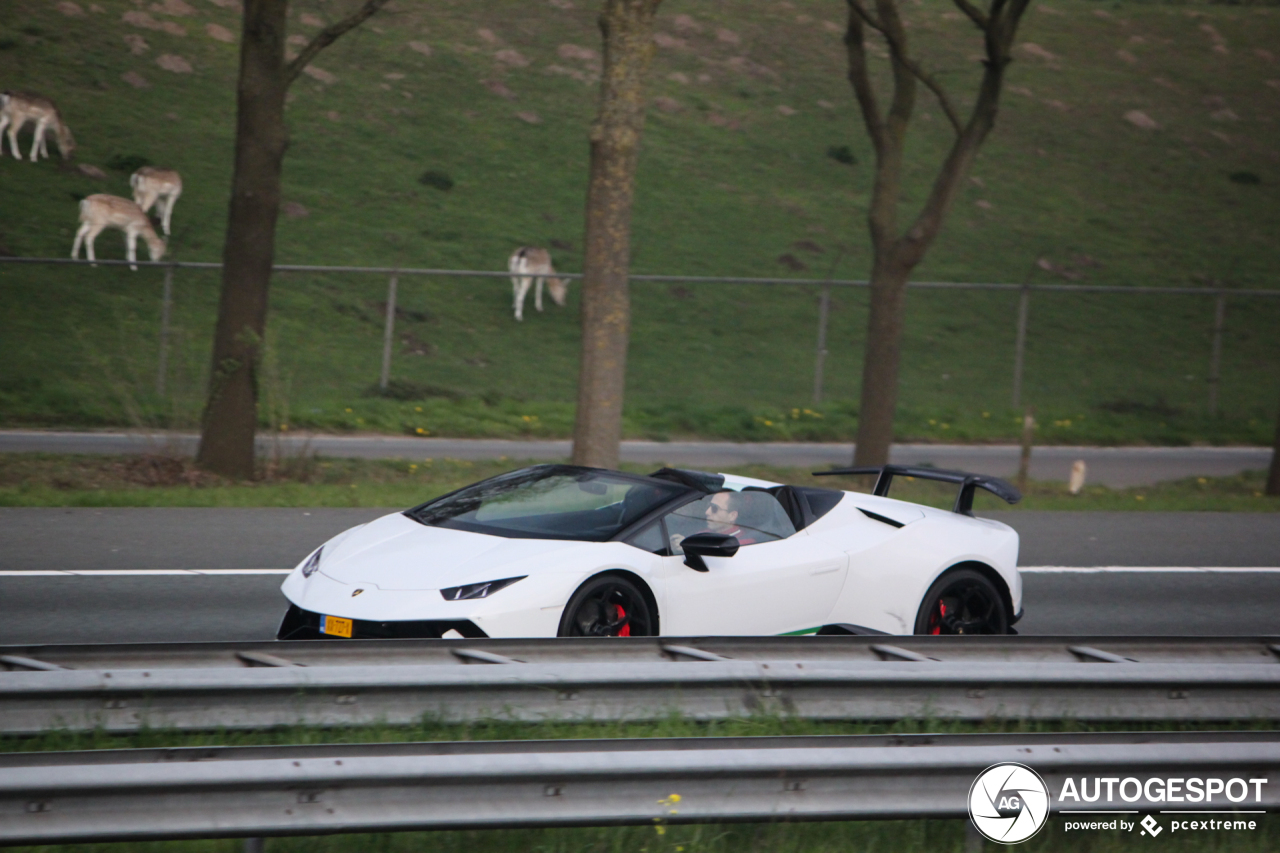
(963, 602)
(607, 606)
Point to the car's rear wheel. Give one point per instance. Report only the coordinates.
(608, 606)
(963, 602)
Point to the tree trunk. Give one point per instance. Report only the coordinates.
(880, 364)
(897, 254)
(627, 28)
(1273, 478)
(231, 414)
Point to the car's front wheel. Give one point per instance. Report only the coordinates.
(963, 601)
(608, 606)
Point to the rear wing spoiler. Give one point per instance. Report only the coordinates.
(967, 482)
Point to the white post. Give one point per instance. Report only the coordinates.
(388, 335)
(166, 307)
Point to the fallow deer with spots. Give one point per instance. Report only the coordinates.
(101, 211)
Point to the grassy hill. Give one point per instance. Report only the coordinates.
(742, 173)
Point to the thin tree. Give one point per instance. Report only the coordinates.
(896, 252)
(627, 30)
(231, 412)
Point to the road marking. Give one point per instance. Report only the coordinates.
(115, 573)
(1099, 569)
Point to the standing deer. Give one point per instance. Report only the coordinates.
(151, 185)
(528, 264)
(101, 211)
(18, 108)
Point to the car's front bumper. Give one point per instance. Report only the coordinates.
(299, 624)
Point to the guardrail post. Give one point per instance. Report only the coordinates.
(1215, 355)
(253, 845)
(388, 334)
(820, 361)
(1020, 344)
(166, 306)
(1028, 436)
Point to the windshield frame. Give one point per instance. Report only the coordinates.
(678, 495)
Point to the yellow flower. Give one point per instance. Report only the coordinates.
(946, 426)
(768, 423)
(986, 414)
(1201, 480)
(1139, 497)
(359, 420)
(417, 408)
(284, 427)
(348, 411)
(413, 466)
(421, 431)
(932, 422)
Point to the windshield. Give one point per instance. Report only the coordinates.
(549, 502)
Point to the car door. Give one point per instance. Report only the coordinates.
(785, 584)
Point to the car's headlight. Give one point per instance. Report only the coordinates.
(477, 590)
(312, 563)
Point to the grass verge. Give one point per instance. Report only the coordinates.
(32, 479)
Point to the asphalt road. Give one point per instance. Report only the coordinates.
(1108, 466)
(149, 608)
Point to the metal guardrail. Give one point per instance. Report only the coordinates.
(694, 681)
(135, 795)
(844, 647)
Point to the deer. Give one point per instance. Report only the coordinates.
(18, 108)
(529, 264)
(151, 185)
(101, 211)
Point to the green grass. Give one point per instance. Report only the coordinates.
(827, 837)
(30, 479)
(1064, 176)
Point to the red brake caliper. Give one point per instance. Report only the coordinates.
(626, 629)
(942, 611)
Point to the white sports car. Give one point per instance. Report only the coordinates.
(560, 550)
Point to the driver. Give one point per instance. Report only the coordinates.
(722, 517)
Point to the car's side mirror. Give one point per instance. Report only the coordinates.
(701, 545)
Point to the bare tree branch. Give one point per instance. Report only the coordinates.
(975, 14)
(944, 100)
(860, 79)
(911, 65)
(328, 36)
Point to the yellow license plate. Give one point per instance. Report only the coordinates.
(335, 626)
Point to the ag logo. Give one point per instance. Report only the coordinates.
(1008, 802)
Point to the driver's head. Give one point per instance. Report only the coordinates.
(722, 514)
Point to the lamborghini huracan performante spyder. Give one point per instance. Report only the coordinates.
(561, 550)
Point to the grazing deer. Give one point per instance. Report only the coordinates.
(101, 211)
(151, 185)
(528, 264)
(18, 108)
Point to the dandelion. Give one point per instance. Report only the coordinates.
(413, 466)
(986, 414)
(284, 427)
(417, 408)
(932, 422)
(1139, 497)
(348, 411)
(1201, 480)
(768, 423)
(946, 426)
(420, 431)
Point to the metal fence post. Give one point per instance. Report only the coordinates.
(1020, 344)
(388, 334)
(1215, 355)
(819, 365)
(166, 306)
